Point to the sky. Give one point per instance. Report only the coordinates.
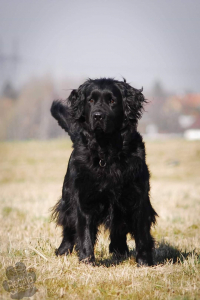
(142, 40)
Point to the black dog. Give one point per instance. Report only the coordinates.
(107, 180)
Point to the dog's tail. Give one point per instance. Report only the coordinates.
(57, 212)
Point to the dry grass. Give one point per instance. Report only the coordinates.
(31, 180)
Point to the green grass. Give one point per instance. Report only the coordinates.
(31, 180)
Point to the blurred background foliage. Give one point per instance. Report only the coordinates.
(25, 113)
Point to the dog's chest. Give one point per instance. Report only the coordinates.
(108, 173)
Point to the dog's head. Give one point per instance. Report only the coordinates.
(104, 105)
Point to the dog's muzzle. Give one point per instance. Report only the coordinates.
(98, 119)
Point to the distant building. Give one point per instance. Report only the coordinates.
(192, 134)
(173, 115)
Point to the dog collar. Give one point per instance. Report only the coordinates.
(102, 163)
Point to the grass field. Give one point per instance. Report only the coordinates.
(31, 179)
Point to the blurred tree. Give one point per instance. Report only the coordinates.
(31, 117)
(165, 120)
(8, 91)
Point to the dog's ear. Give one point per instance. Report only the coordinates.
(133, 102)
(69, 112)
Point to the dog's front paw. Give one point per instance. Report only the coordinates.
(61, 251)
(144, 259)
(88, 260)
(64, 249)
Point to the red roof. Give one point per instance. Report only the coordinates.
(191, 100)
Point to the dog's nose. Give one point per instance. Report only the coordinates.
(98, 116)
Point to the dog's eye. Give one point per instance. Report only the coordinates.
(112, 101)
(91, 100)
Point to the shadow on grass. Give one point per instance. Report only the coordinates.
(110, 261)
(163, 253)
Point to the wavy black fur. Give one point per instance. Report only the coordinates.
(107, 180)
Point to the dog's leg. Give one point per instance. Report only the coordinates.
(65, 218)
(144, 245)
(118, 244)
(86, 237)
(143, 239)
(118, 233)
(67, 244)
